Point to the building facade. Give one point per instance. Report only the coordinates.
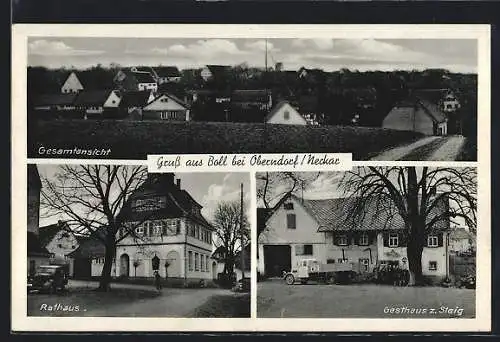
(166, 223)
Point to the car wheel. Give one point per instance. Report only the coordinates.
(331, 279)
(290, 279)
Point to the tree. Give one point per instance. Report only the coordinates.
(230, 236)
(93, 200)
(136, 264)
(422, 197)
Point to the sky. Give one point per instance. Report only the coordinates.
(456, 55)
(208, 189)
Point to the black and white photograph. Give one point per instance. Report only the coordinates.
(113, 240)
(374, 242)
(127, 97)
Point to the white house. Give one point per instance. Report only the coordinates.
(301, 228)
(166, 107)
(284, 113)
(169, 225)
(167, 74)
(72, 84)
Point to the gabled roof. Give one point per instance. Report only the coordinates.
(278, 107)
(89, 247)
(167, 71)
(94, 97)
(92, 80)
(172, 97)
(55, 99)
(429, 108)
(335, 214)
(135, 98)
(35, 248)
(142, 69)
(219, 70)
(178, 201)
(144, 77)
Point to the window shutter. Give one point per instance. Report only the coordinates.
(440, 239)
(386, 239)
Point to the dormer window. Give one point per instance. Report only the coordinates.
(393, 240)
(342, 240)
(363, 240)
(288, 206)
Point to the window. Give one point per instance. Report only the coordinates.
(178, 226)
(157, 228)
(291, 221)
(364, 240)
(197, 233)
(190, 260)
(202, 263)
(433, 265)
(330, 261)
(196, 262)
(148, 204)
(139, 230)
(286, 115)
(342, 240)
(170, 228)
(304, 250)
(393, 240)
(432, 241)
(206, 264)
(288, 206)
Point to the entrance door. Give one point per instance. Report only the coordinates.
(214, 270)
(277, 258)
(124, 265)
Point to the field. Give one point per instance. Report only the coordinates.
(137, 139)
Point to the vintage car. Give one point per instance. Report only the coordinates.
(50, 278)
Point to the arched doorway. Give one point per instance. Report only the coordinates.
(124, 265)
(174, 268)
(214, 270)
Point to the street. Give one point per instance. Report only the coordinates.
(276, 299)
(428, 148)
(125, 300)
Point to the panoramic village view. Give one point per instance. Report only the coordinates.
(374, 242)
(399, 99)
(116, 241)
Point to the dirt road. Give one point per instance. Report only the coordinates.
(429, 148)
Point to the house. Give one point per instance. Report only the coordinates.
(59, 241)
(166, 74)
(417, 115)
(166, 107)
(72, 84)
(168, 224)
(56, 105)
(461, 241)
(96, 102)
(252, 98)
(129, 80)
(133, 102)
(37, 254)
(297, 228)
(219, 72)
(284, 113)
(207, 95)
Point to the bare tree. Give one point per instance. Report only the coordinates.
(229, 234)
(94, 201)
(422, 198)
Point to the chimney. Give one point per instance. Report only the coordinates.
(178, 181)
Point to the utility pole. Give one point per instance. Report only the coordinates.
(242, 254)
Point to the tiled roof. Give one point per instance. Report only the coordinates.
(55, 99)
(144, 77)
(219, 70)
(35, 247)
(93, 97)
(134, 98)
(89, 247)
(167, 71)
(429, 108)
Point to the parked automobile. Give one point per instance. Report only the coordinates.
(391, 273)
(311, 270)
(48, 278)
